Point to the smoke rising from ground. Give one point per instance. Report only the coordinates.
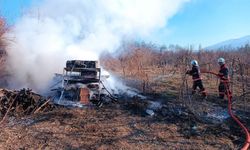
(55, 31)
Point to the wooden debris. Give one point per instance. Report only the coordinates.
(23, 102)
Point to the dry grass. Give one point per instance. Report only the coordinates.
(110, 127)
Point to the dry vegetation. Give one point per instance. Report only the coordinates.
(121, 125)
(162, 70)
(112, 127)
(3, 73)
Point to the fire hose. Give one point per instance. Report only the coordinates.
(110, 95)
(229, 97)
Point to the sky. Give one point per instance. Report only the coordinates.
(12, 10)
(198, 22)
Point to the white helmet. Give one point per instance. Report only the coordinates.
(194, 63)
(221, 61)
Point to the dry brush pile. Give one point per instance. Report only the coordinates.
(23, 102)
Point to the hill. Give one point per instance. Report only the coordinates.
(230, 44)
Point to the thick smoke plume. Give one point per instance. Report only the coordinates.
(54, 31)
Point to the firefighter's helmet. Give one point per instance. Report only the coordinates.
(221, 61)
(194, 63)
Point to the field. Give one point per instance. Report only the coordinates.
(116, 126)
(179, 123)
(169, 117)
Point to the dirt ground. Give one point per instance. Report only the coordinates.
(121, 125)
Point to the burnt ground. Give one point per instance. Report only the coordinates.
(121, 125)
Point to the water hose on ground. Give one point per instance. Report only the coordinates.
(229, 97)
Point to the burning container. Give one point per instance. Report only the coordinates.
(80, 82)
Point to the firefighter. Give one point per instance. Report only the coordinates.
(197, 81)
(224, 79)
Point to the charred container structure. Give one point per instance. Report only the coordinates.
(81, 82)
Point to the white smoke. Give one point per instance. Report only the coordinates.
(58, 30)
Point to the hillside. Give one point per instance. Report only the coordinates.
(230, 44)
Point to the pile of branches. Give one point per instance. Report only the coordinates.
(23, 102)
